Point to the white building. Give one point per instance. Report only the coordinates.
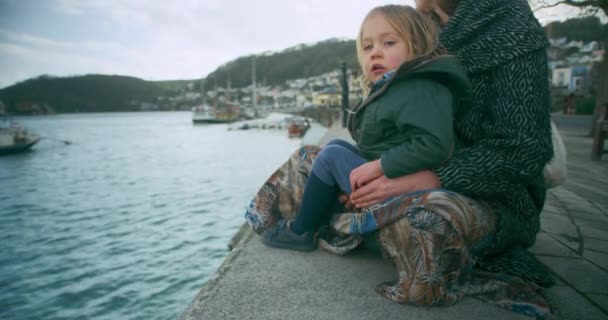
(561, 76)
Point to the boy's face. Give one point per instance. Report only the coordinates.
(383, 49)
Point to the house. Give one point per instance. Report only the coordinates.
(302, 99)
(590, 47)
(575, 78)
(558, 42)
(328, 97)
(574, 44)
(554, 53)
(285, 98)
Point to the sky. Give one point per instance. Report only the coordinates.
(167, 40)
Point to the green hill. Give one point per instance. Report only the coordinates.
(89, 93)
(107, 93)
(579, 29)
(301, 61)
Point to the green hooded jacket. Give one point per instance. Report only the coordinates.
(408, 122)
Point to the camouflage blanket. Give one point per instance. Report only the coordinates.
(434, 237)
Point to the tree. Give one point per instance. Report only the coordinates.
(577, 29)
(588, 7)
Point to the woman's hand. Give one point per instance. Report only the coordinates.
(365, 173)
(425, 6)
(432, 7)
(381, 188)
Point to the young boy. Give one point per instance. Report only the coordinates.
(403, 125)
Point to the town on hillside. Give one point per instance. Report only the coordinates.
(573, 65)
(574, 73)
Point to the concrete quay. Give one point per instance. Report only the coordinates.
(256, 282)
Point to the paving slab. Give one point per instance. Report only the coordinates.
(551, 210)
(560, 225)
(579, 273)
(576, 244)
(597, 221)
(596, 245)
(601, 300)
(547, 245)
(590, 230)
(599, 259)
(570, 305)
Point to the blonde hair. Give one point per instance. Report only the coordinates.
(418, 31)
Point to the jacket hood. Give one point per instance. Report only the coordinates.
(446, 70)
(487, 33)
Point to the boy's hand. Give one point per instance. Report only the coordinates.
(365, 173)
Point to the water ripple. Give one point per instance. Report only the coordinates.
(130, 221)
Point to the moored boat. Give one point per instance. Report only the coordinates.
(205, 114)
(297, 127)
(209, 114)
(15, 139)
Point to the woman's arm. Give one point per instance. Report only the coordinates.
(516, 146)
(516, 128)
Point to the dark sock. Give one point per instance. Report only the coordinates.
(317, 200)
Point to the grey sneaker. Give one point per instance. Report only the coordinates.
(281, 236)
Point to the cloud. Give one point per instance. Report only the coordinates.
(25, 54)
(178, 40)
(156, 40)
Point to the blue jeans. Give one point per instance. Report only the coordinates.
(334, 163)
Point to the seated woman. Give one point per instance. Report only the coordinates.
(479, 209)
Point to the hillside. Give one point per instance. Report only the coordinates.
(89, 93)
(101, 93)
(105, 93)
(302, 61)
(581, 29)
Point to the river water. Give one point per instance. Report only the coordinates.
(128, 220)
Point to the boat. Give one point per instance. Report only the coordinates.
(297, 127)
(209, 114)
(205, 113)
(15, 139)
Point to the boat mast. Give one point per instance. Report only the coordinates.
(228, 96)
(228, 88)
(204, 96)
(253, 88)
(214, 93)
